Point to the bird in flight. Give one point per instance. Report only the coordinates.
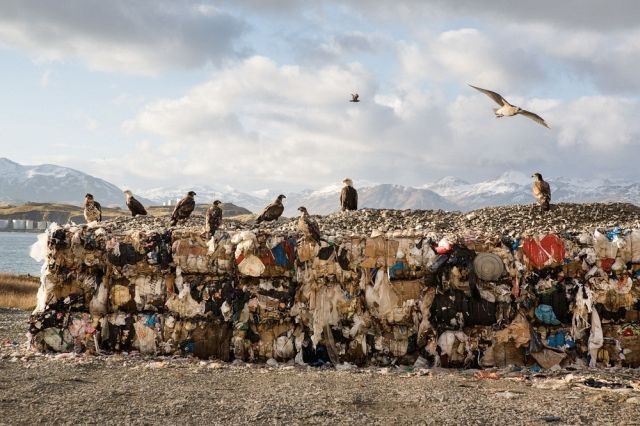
(355, 97)
(508, 110)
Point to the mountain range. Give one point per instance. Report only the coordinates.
(50, 183)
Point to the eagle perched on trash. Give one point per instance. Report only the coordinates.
(135, 207)
(273, 211)
(542, 191)
(213, 218)
(348, 196)
(92, 209)
(308, 226)
(184, 208)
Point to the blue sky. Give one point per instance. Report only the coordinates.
(253, 94)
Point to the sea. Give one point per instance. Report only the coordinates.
(14, 253)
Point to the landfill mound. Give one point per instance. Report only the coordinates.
(514, 220)
(494, 287)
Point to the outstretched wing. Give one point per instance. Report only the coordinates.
(534, 117)
(493, 95)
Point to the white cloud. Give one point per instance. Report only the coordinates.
(45, 78)
(89, 122)
(258, 124)
(468, 55)
(141, 37)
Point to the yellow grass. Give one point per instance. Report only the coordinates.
(18, 291)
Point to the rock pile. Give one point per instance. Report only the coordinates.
(491, 221)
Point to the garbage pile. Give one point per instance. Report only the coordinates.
(494, 287)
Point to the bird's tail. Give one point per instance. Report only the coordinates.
(173, 222)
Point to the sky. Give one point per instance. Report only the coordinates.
(253, 94)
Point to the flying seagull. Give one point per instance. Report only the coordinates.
(355, 97)
(508, 110)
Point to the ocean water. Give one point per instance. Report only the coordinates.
(14, 253)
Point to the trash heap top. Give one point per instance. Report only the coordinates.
(491, 221)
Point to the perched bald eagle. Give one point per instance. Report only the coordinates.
(348, 196)
(134, 205)
(92, 209)
(213, 218)
(273, 211)
(308, 226)
(184, 208)
(541, 191)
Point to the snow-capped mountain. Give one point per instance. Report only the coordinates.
(206, 194)
(382, 196)
(50, 183)
(322, 201)
(515, 188)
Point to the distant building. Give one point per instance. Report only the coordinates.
(28, 224)
(42, 224)
(19, 224)
(4, 223)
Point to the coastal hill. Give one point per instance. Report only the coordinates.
(63, 213)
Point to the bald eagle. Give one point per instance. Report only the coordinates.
(273, 211)
(184, 208)
(541, 191)
(213, 218)
(134, 205)
(348, 196)
(308, 226)
(92, 209)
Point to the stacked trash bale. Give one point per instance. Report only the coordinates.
(387, 287)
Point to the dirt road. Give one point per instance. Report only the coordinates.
(67, 389)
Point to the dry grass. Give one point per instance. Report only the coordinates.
(18, 291)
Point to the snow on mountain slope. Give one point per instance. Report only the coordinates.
(205, 194)
(50, 183)
(515, 188)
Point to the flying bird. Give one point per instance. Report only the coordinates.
(184, 208)
(273, 211)
(541, 191)
(508, 110)
(213, 218)
(348, 196)
(308, 226)
(355, 97)
(134, 205)
(92, 209)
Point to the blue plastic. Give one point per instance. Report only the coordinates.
(545, 314)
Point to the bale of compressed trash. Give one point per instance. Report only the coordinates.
(385, 287)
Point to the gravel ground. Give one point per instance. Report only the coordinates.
(490, 221)
(70, 389)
